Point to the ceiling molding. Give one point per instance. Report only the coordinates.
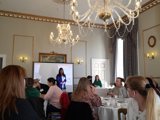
(145, 7)
(41, 18)
(149, 5)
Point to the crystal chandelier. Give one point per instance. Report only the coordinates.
(109, 11)
(65, 34)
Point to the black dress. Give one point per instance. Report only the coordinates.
(38, 105)
(79, 111)
(25, 112)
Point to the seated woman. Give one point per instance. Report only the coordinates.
(144, 103)
(30, 90)
(85, 96)
(43, 88)
(79, 111)
(119, 90)
(33, 96)
(97, 81)
(13, 106)
(89, 77)
(53, 96)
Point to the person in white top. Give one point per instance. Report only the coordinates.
(53, 96)
(144, 103)
(119, 90)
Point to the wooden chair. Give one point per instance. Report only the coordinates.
(124, 112)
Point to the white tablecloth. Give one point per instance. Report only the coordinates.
(110, 112)
(102, 92)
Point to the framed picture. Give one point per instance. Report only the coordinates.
(52, 57)
(152, 41)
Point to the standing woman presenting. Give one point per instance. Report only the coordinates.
(61, 79)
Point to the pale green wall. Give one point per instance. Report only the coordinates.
(97, 44)
(149, 24)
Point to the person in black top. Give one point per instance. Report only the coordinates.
(79, 111)
(43, 88)
(13, 106)
(89, 77)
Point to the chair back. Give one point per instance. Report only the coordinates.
(64, 101)
(79, 111)
(38, 105)
(122, 113)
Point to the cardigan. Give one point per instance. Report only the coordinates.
(97, 83)
(25, 111)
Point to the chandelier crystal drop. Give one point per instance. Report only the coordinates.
(109, 11)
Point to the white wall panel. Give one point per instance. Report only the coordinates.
(23, 46)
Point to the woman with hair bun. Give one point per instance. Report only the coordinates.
(145, 104)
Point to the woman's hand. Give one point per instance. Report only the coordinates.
(111, 94)
(42, 96)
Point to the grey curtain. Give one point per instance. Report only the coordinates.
(130, 50)
(113, 44)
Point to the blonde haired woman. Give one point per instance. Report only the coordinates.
(13, 106)
(84, 94)
(146, 102)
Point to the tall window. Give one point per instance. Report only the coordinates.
(119, 59)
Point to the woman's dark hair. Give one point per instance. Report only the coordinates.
(59, 73)
(29, 82)
(89, 77)
(52, 80)
(122, 80)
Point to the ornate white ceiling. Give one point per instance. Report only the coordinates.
(47, 8)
